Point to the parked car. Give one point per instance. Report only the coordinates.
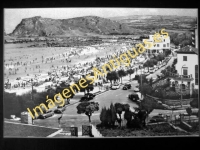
(49, 113)
(84, 98)
(128, 85)
(60, 109)
(136, 89)
(125, 87)
(115, 86)
(151, 70)
(87, 97)
(158, 118)
(134, 97)
(90, 95)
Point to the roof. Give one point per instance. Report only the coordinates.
(188, 50)
(12, 129)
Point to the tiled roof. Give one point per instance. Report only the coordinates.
(188, 49)
(25, 130)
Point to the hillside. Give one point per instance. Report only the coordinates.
(152, 22)
(80, 26)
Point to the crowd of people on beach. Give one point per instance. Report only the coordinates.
(68, 72)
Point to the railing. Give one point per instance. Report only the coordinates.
(176, 76)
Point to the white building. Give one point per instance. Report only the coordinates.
(187, 69)
(157, 47)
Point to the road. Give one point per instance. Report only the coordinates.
(70, 116)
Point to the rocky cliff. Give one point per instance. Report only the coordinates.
(38, 26)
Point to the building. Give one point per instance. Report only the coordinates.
(187, 78)
(187, 69)
(157, 47)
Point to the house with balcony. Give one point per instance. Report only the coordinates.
(158, 47)
(186, 78)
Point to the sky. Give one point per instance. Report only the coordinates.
(12, 17)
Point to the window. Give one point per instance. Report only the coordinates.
(185, 71)
(167, 44)
(164, 45)
(184, 58)
(196, 75)
(157, 45)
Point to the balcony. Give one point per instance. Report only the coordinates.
(181, 77)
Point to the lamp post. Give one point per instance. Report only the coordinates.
(181, 86)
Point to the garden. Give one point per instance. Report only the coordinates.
(111, 122)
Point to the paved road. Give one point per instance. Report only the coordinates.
(157, 72)
(70, 116)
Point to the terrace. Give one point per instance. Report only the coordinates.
(181, 77)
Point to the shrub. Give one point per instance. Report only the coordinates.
(172, 95)
(194, 103)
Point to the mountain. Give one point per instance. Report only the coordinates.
(80, 26)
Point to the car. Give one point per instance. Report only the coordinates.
(158, 118)
(115, 86)
(134, 97)
(128, 85)
(47, 114)
(151, 70)
(90, 95)
(84, 98)
(87, 97)
(125, 87)
(136, 89)
(60, 109)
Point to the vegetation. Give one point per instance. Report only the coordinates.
(108, 116)
(145, 89)
(183, 39)
(121, 73)
(88, 108)
(130, 72)
(154, 130)
(112, 76)
(194, 103)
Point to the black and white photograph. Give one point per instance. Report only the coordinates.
(100, 72)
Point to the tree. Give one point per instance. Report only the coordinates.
(143, 78)
(113, 114)
(109, 77)
(103, 117)
(128, 114)
(121, 73)
(130, 72)
(148, 105)
(119, 108)
(112, 76)
(89, 88)
(145, 89)
(160, 57)
(88, 108)
(151, 81)
(11, 105)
